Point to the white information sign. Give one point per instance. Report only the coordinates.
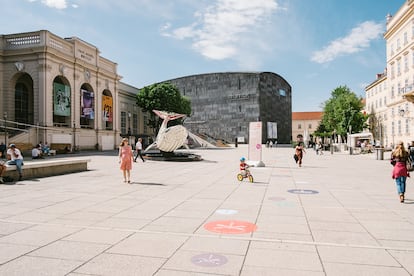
(255, 141)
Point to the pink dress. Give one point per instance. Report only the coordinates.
(126, 156)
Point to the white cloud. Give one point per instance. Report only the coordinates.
(358, 40)
(58, 4)
(221, 27)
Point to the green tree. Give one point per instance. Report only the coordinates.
(164, 97)
(342, 112)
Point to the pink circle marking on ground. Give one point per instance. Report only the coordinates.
(230, 227)
(258, 146)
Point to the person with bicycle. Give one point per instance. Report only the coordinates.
(244, 168)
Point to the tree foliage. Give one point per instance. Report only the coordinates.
(342, 112)
(164, 97)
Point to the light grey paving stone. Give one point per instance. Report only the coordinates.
(337, 226)
(352, 255)
(98, 236)
(271, 271)
(8, 211)
(284, 228)
(336, 269)
(397, 244)
(29, 266)
(174, 228)
(9, 252)
(218, 245)
(182, 261)
(72, 222)
(405, 258)
(285, 246)
(11, 227)
(30, 237)
(83, 215)
(122, 223)
(340, 237)
(33, 216)
(149, 244)
(121, 265)
(166, 272)
(283, 236)
(70, 250)
(295, 260)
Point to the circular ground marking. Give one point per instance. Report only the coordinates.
(230, 227)
(258, 146)
(303, 192)
(226, 212)
(209, 259)
(276, 198)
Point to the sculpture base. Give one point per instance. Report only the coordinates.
(158, 155)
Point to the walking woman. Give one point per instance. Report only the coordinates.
(399, 157)
(126, 157)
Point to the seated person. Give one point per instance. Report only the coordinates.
(36, 153)
(46, 149)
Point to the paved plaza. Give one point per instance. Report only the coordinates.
(336, 215)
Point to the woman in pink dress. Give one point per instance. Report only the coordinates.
(126, 157)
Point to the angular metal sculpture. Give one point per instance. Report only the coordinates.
(169, 138)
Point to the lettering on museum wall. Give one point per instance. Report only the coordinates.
(85, 55)
(238, 97)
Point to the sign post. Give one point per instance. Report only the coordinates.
(255, 143)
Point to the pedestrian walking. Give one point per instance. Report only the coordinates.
(15, 157)
(2, 167)
(138, 150)
(126, 157)
(399, 159)
(299, 151)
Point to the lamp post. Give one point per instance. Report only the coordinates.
(74, 136)
(5, 127)
(129, 127)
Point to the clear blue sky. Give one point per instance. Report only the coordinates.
(315, 45)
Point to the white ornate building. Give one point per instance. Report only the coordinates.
(390, 97)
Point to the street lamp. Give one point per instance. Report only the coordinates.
(5, 127)
(129, 127)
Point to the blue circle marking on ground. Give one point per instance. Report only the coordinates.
(209, 260)
(303, 192)
(226, 212)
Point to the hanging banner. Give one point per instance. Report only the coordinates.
(271, 130)
(87, 105)
(61, 99)
(107, 108)
(255, 141)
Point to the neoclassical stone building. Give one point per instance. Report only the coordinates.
(223, 104)
(61, 90)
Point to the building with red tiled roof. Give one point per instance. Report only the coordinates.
(305, 123)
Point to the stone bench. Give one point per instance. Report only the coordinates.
(51, 167)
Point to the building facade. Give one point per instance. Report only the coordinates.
(389, 99)
(305, 124)
(223, 105)
(61, 91)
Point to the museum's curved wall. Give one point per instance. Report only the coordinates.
(223, 104)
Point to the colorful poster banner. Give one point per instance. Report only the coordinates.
(271, 130)
(87, 105)
(107, 108)
(61, 99)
